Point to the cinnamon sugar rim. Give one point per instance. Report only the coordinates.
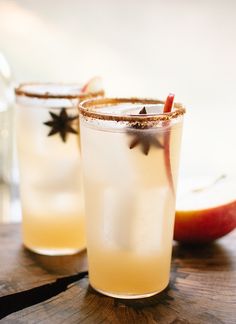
(20, 91)
(87, 108)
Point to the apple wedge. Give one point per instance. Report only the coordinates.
(167, 108)
(93, 85)
(205, 209)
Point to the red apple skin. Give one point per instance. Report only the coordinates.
(204, 226)
(85, 87)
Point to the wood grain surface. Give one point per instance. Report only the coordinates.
(40, 289)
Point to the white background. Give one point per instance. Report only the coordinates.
(140, 48)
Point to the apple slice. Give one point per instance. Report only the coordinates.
(167, 108)
(206, 209)
(93, 85)
(169, 103)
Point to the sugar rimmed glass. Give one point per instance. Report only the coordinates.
(50, 167)
(130, 158)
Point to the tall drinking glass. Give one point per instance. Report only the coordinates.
(49, 164)
(130, 156)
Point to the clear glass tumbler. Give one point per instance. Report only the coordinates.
(50, 167)
(130, 156)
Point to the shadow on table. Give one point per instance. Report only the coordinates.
(162, 298)
(213, 256)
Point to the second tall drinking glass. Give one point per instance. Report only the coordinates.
(130, 157)
(50, 171)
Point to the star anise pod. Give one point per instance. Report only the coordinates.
(143, 138)
(61, 123)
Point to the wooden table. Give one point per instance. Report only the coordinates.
(40, 289)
